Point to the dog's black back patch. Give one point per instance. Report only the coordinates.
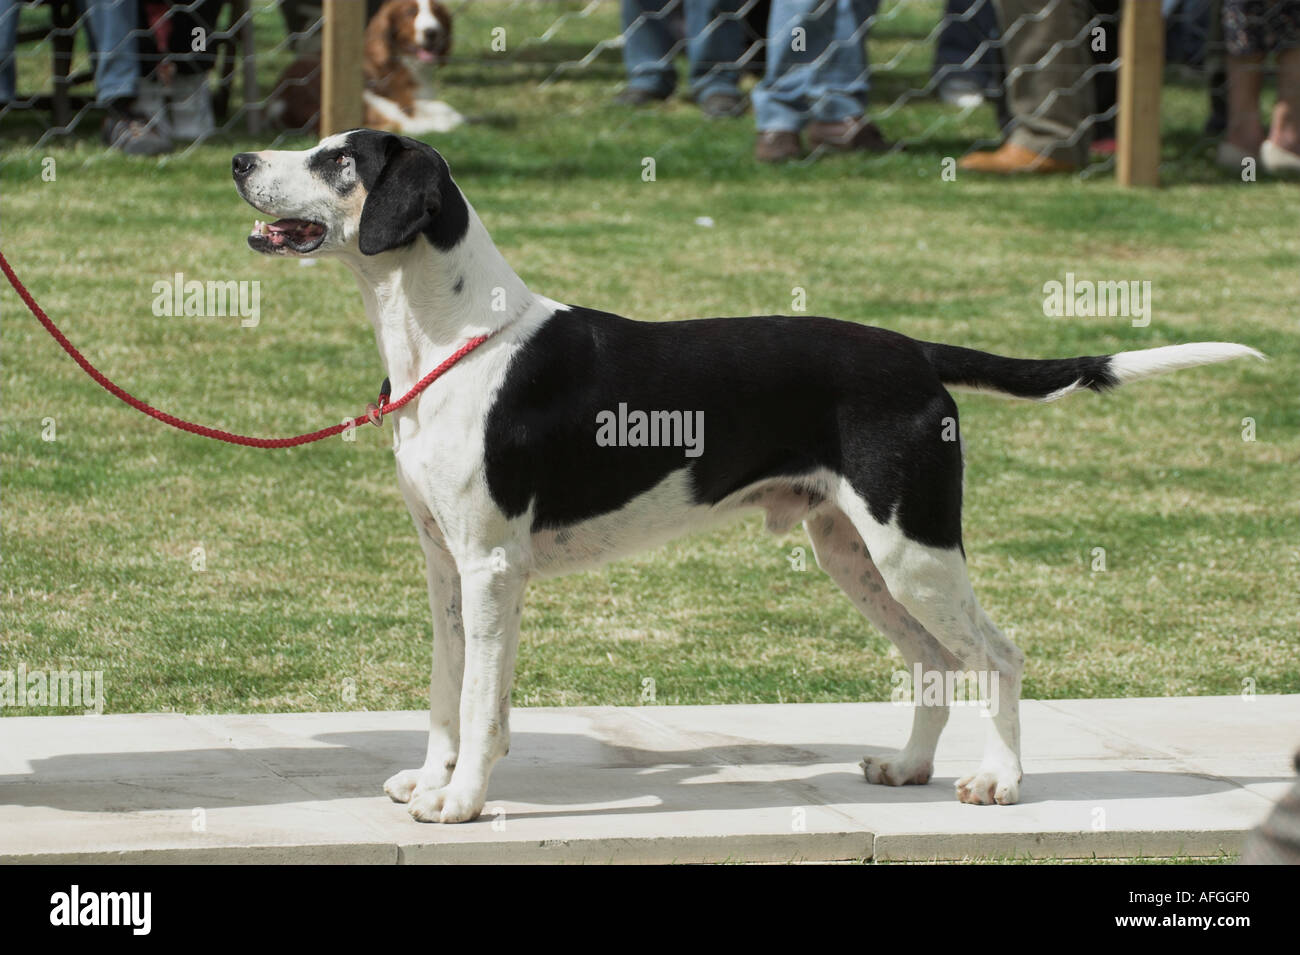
(780, 397)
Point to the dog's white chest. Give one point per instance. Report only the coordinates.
(439, 456)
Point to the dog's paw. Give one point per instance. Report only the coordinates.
(897, 770)
(448, 804)
(988, 787)
(403, 786)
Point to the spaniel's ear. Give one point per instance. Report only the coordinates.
(406, 196)
(378, 45)
(443, 16)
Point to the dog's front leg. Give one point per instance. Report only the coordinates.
(492, 597)
(445, 679)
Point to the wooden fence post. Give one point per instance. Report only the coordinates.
(1141, 73)
(341, 77)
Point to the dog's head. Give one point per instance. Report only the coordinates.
(414, 28)
(361, 191)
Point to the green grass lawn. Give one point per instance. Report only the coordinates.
(313, 584)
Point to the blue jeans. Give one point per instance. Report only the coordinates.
(112, 24)
(819, 74)
(713, 45)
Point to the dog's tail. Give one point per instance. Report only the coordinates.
(1052, 378)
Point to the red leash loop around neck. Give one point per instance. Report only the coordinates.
(214, 433)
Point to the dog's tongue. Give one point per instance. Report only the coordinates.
(297, 229)
(424, 56)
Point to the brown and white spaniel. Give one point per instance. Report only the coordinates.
(405, 42)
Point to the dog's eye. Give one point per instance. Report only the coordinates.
(342, 159)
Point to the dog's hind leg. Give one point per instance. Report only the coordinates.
(841, 553)
(932, 584)
(447, 673)
(983, 786)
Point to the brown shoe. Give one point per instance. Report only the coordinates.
(1011, 159)
(849, 135)
(776, 145)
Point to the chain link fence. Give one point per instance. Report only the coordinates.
(929, 72)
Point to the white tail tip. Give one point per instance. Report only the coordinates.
(1129, 366)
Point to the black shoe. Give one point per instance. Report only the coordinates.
(722, 105)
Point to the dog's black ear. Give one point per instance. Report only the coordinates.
(405, 197)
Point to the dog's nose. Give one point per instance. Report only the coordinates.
(431, 37)
(243, 164)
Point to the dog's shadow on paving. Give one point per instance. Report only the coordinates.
(543, 769)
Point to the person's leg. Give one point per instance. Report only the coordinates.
(799, 34)
(839, 90)
(956, 41)
(839, 85)
(1244, 40)
(117, 67)
(1245, 80)
(964, 54)
(189, 96)
(648, 47)
(1285, 131)
(1047, 57)
(1215, 71)
(202, 15)
(1105, 83)
(715, 42)
(8, 40)
(816, 79)
(117, 74)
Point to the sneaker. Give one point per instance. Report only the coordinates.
(1232, 157)
(1278, 161)
(134, 136)
(961, 91)
(722, 105)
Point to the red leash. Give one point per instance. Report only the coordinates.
(374, 414)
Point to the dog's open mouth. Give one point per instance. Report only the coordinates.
(286, 235)
(424, 54)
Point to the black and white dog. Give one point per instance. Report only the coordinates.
(573, 437)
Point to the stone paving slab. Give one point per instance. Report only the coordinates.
(762, 783)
